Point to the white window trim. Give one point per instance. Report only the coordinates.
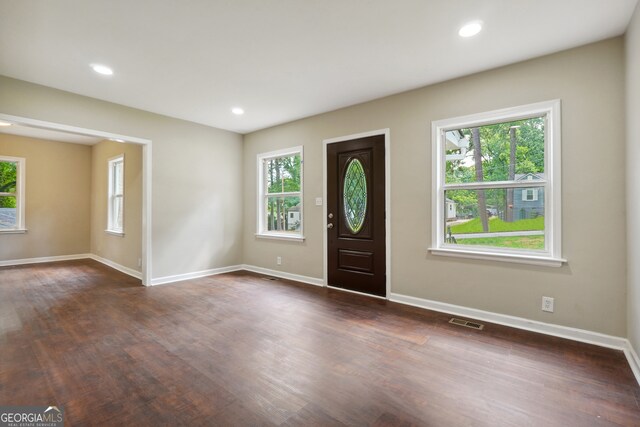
(261, 227)
(110, 220)
(19, 195)
(534, 195)
(552, 254)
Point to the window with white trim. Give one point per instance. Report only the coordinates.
(501, 170)
(280, 212)
(115, 214)
(12, 194)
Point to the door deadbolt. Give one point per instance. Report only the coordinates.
(330, 215)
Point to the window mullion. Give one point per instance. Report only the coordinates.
(285, 194)
(495, 185)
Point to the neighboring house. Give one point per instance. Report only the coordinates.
(455, 141)
(528, 202)
(451, 209)
(7, 217)
(293, 218)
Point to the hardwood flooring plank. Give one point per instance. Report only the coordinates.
(238, 349)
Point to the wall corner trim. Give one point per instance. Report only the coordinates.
(283, 275)
(194, 275)
(121, 268)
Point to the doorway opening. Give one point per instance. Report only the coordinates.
(78, 134)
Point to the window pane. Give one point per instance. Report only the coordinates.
(118, 181)
(8, 177)
(118, 213)
(8, 212)
(510, 220)
(283, 174)
(355, 195)
(499, 152)
(283, 214)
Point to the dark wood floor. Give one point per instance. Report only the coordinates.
(237, 349)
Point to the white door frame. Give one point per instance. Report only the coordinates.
(387, 201)
(146, 174)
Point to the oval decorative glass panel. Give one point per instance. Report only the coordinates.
(355, 195)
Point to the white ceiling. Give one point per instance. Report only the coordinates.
(280, 60)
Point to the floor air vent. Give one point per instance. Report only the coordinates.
(270, 278)
(466, 323)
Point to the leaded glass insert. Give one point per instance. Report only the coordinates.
(355, 195)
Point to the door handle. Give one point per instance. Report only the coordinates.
(330, 225)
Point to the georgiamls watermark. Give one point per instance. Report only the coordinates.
(31, 416)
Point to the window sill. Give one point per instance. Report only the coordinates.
(115, 233)
(14, 231)
(504, 257)
(290, 237)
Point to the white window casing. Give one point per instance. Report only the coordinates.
(530, 194)
(115, 202)
(262, 229)
(551, 184)
(19, 194)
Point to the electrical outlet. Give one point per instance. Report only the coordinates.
(279, 260)
(547, 304)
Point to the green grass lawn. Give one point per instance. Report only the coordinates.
(519, 242)
(496, 224)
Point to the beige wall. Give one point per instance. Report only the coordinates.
(124, 250)
(197, 173)
(57, 183)
(633, 179)
(589, 291)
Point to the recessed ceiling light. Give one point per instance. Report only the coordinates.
(116, 139)
(237, 111)
(470, 29)
(5, 124)
(102, 69)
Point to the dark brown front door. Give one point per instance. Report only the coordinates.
(356, 215)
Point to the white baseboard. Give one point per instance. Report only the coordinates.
(284, 275)
(589, 337)
(194, 275)
(39, 260)
(121, 268)
(574, 334)
(197, 274)
(94, 257)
